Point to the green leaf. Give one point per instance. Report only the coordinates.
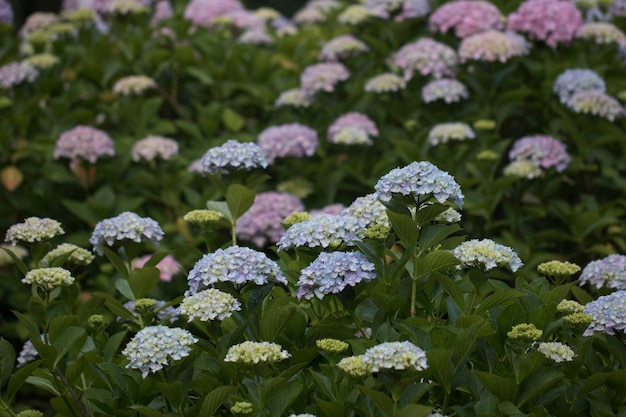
(21, 265)
(282, 396)
(116, 307)
(117, 262)
(142, 280)
(44, 384)
(451, 289)
(67, 340)
(146, 411)
(201, 75)
(239, 199)
(123, 287)
(433, 235)
(382, 401)
(503, 388)
(274, 320)
(220, 207)
(594, 381)
(7, 361)
(331, 408)
(112, 345)
(19, 377)
(440, 364)
(214, 400)
(415, 410)
(435, 261)
(404, 227)
(81, 211)
(232, 120)
(499, 298)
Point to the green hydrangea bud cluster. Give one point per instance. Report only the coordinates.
(578, 319)
(377, 231)
(569, 307)
(354, 366)
(203, 217)
(332, 345)
(242, 407)
(295, 217)
(558, 269)
(525, 332)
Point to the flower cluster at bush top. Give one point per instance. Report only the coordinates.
(235, 264)
(75, 255)
(445, 132)
(467, 18)
(153, 347)
(525, 332)
(369, 211)
(342, 47)
(542, 150)
(233, 156)
(395, 355)
(331, 273)
(385, 83)
(256, 352)
(153, 147)
(556, 351)
(332, 345)
(487, 254)
(608, 313)
(576, 80)
(322, 230)
(608, 272)
(288, 140)
(208, 305)
(85, 143)
(127, 226)
(323, 77)
(150, 306)
(133, 85)
(352, 128)
(32, 230)
(448, 90)
(426, 57)
(492, 46)
(49, 278)
(16, 73)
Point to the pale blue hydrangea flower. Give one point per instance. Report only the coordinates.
(556, 351)
(412, 9)
(32, 230)
(6, 12)
(234, 264)
(233, 156)
(575, 80)
(164, 314)
(27, 354)
(447, 89)
(352, 128)
(395, 355)
(488, 254)
(256, 352)
(331, 273)
(323, 230)
(446, 132)
(153, 347)
(209, 305)
(124, 227)
(608, 314)
(419, 179)
(609, 272)
(369, 211)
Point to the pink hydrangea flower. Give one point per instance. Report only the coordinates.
(466, 17)
(168, 266)
(83, 142)
(427, 57)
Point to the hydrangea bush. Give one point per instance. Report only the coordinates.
(383, 208)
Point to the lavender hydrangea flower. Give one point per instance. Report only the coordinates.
(124, 227)
(262, 222)
(602, 33)
(352, 129)
(447, 89)
(395, 355)
(234, 264)
(446, 132)
(153, 347)
(426, 57)
(487, 254)
(382, 8)
(419, 179)
(233, 156)
(322, 230)
(369, 211)
(6, 12)
(204, 12)
(288, 140)
(543, 151)
(412, 9)
(164, 313)
(552, 21)
(256, 352)
(163, 10)
(294, 97)
(596, 103)
(466, 18)
(575, 80)
(493, 46)
(85, 143)
(385, 83)
(608, 272)
(32, 230)
(608, 314)
(323, 77)
(16, 73)
(153, 147)
(210, 304)
(342, 47)
(331, 273)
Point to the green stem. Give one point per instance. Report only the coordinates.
(4, 407)
(413, 297)
(233, 231)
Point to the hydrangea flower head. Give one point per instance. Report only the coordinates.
(168, 266)
(558, 352)
(395, 355)
(203, 217)
(27, 354)
(18, 251)
(323, 77)
(492, 46)
(288, 140)
(569, 307)
(331, 273)
(49, 278)
(596, 103)
(382, 8)
(142, 306)
(543, 151)
(210, 304)
(487, 254)
(85, 143)
(575, 80)
(255, 36)
(163, 10)
(205, 12)
(33, 229)
(256, 352)
(77, 255)
(354, 366)
(448, 90)
(16, 73)
(352, 129)
(608, 272)
(412, 9)
(557, 269)
(322, 230)
(426, 57)
(262, 223)
(234, 264)
(552, 21)
(124, 227)
(446, 132)
(153, 347)
(466, 18)
(354, 14)
(525, 332)
(419, 179)
(342, 47)
(602, 33)
(523, 169)
(608, 314)
(42, 61)
(6, 12)
(332, 345)
(133, 85)
(153, 147)
(369, 211)
(385, 83)
(294, 97)
(233, 156)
